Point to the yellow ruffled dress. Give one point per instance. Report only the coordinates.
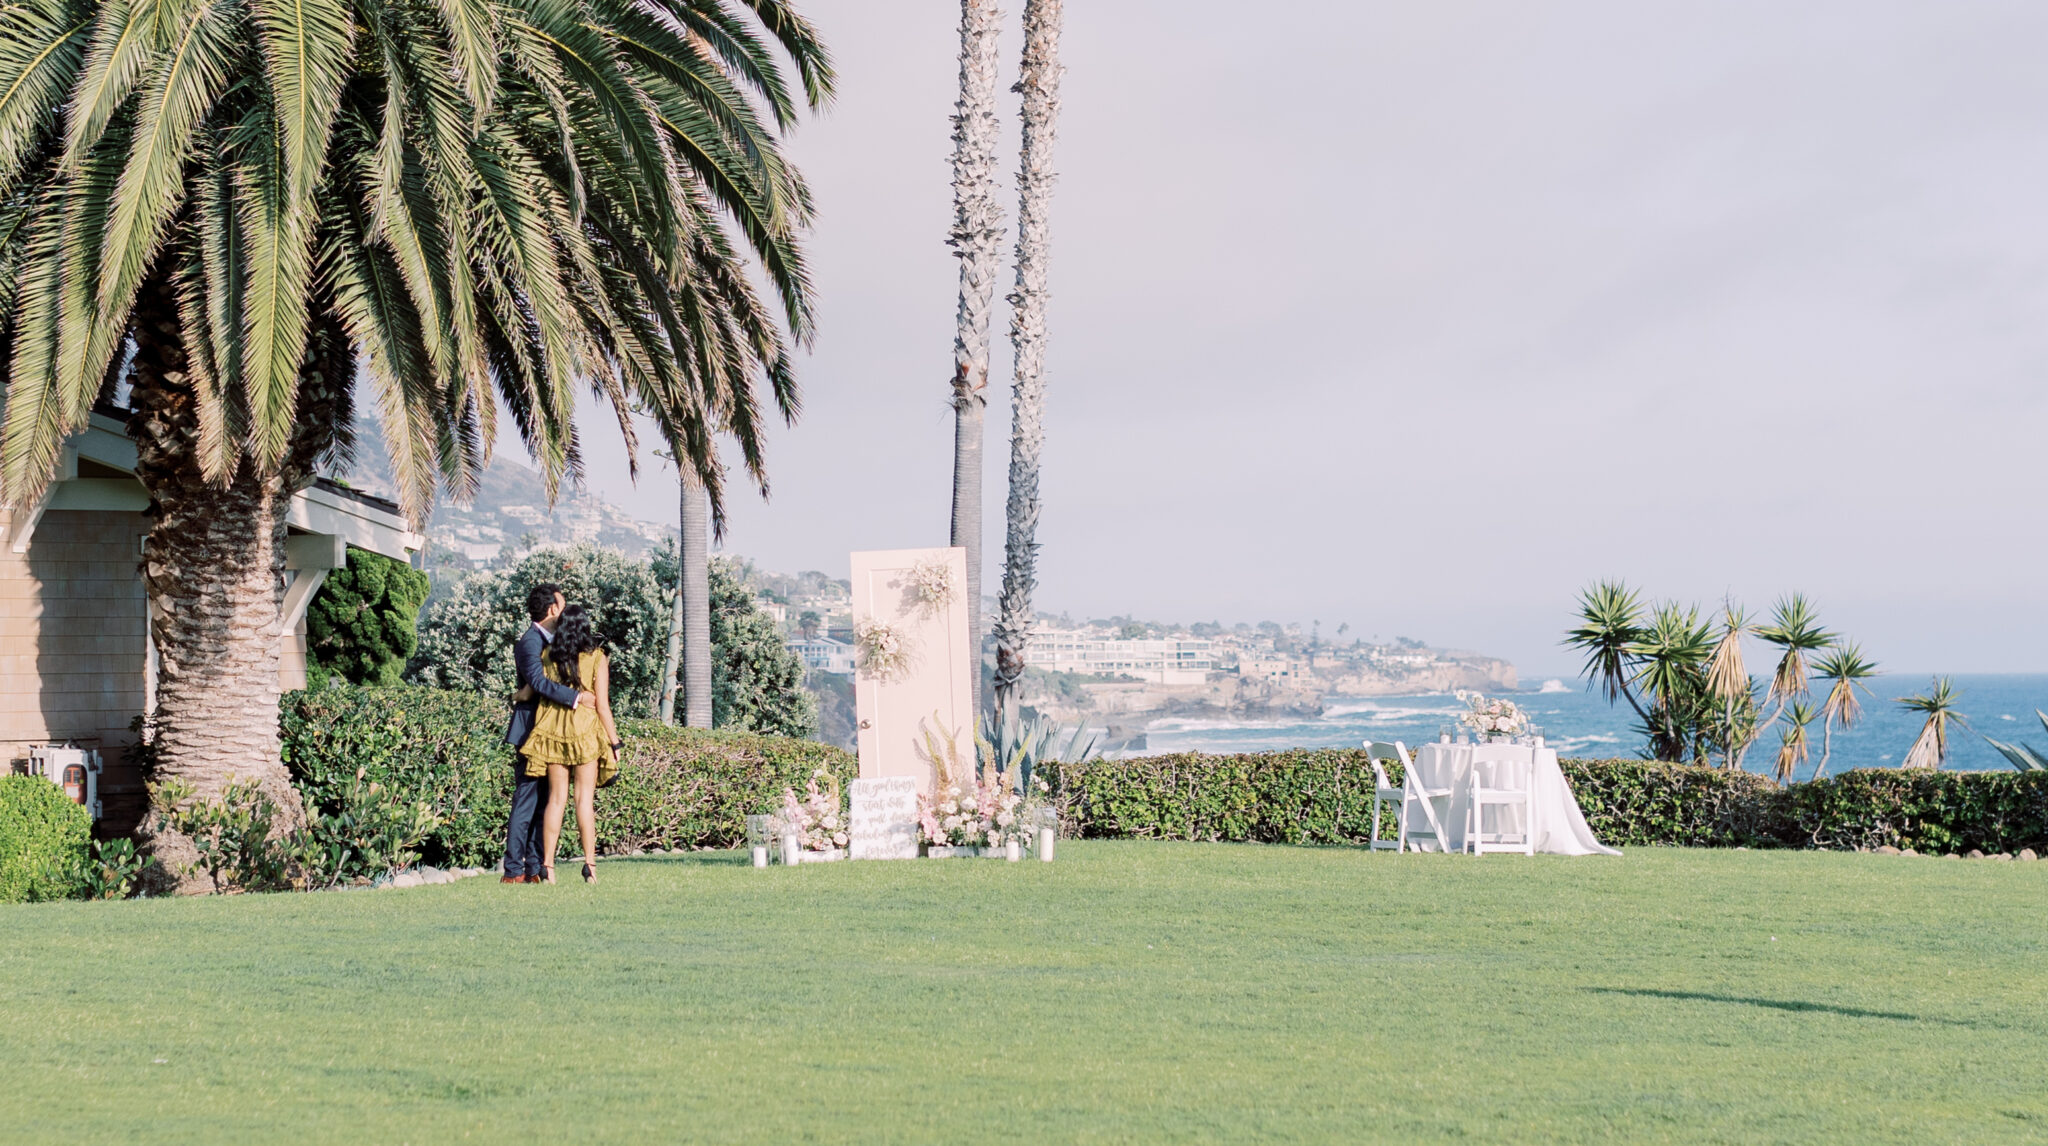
(569, 736)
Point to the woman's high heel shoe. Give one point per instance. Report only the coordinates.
(589, 874)
(550, 870)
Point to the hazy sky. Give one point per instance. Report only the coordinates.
(1422, 316)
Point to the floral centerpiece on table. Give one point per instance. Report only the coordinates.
(818, 818)
(1492, 717)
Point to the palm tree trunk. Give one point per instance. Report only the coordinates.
(1039, 83)
(694, 594)
(976, 233)
(671, 665)
(1827, 747)
(212, 567)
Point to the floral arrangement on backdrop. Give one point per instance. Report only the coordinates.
(818, 818)
(963, 811)
(930, 584)
(1492, 717)
(882, 650)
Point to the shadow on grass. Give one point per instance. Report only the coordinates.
(1794, 1005)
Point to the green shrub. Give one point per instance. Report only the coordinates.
(1324, 796)
(362, 624)
(1918, 809)
(43, 840)
(1636, 802)
(1302, 796)
(682, 787)
(440, 747)
(679, 787)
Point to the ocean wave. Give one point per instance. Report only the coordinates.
(1554, 686)
(1221, 725)
(1380, 712)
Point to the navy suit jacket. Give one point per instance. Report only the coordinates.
(526, 668)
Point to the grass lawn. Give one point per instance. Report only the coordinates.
(1129, 992)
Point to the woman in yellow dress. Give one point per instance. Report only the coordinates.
(574, 745)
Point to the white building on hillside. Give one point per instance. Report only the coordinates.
(1169, 660)
(825, 654)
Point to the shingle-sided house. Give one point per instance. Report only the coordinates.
(76, 662)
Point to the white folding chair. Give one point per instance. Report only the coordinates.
(1503, 777)
(1413, 792)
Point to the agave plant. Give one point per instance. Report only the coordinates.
(1021, 745)
(2024, 757)
(1845, 669)
(1930, 748)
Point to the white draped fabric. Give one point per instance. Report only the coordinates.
(1561, 827)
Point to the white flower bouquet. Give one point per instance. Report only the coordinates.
(882, 650)
(1492, 717)
(931, 585)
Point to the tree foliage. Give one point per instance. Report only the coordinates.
(1684, 676)
(362, 626)
(757, 683)
(466, 638)
(496, 203)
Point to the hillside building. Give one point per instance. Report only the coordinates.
(1169, 660)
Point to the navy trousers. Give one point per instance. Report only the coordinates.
(523, 843)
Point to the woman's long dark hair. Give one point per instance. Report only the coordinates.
(573, 638)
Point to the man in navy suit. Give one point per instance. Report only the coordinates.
(523, 860)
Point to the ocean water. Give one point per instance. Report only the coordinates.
(1581, 723)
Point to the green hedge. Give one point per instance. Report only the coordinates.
(43, 840)
(1324, 796)
(678, 787)
(682, 788)
(1637, 802)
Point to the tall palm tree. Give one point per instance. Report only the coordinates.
(479, 202)
(1930, 748)
(976, 237)
(1039, 83)
(1845, 669)
(693, 594)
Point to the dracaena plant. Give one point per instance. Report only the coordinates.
(240, 214)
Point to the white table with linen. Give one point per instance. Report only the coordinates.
(1561, 827)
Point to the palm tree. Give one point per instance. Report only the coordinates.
(1792, 740)
(1039, 83)
(1672, 657)
(1845, 670)
(1728, 684)
(1610, 631)
(1930, 748)
(1796, 629)
(808, 623)
(227, 205)
(693, 596)
(976, 234)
